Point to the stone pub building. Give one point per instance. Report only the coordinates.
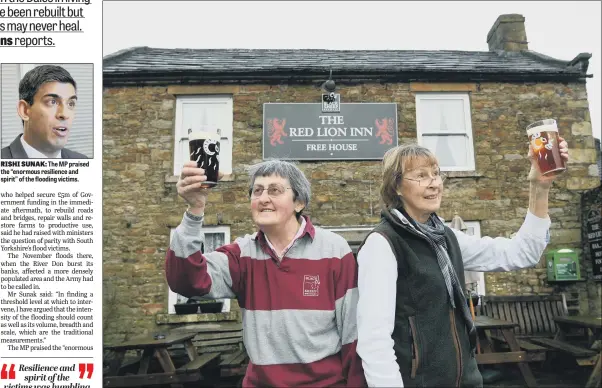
(471, 108)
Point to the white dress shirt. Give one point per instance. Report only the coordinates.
(377, 283)
(32, 153)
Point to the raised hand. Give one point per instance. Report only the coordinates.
(190, 188)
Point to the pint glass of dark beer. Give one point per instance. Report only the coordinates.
(543, 136)
(204, 150)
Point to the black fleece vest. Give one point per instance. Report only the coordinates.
(431, 341)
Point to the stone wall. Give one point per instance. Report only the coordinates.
(141, 203)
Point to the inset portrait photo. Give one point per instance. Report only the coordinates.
(47, 111)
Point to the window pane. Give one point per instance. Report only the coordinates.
(475, 277)
(442, 115)
(196, 112)
(213, 241)
(473, 280)
(195, 115)
(184, 153)
(452, 151)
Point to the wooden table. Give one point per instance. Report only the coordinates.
(152, 347)
(488, 355)
(592, 324)
(589, 322)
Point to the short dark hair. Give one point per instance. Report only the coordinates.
(36, 77)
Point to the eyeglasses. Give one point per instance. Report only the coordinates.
(426, 181)
(273, 191)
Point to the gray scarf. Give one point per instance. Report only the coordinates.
(435, 233)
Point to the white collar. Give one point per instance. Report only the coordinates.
(299, 233)
(32, 153)
(402, 218)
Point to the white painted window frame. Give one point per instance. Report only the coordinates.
(172, 296)
(467, 119)
(181, 134)
(476, 225)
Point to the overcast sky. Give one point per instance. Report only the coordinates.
(557, 29)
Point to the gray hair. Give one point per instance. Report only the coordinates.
(287, 170)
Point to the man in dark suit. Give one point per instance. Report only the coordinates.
(47, 99)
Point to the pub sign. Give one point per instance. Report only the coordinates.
(594, 240)
(303, 131)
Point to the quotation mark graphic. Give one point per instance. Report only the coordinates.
(83, 368)
(7, 375)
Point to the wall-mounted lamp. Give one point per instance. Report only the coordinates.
(331, 101)
(329, 85)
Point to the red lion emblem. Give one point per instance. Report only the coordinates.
(276, 130)
(385, 130)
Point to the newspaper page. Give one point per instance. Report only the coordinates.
(50, 193)
(96, 103)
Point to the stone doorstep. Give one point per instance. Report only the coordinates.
(166, 319)
(227, 327)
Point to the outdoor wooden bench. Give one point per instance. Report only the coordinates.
(234, 364)
(488, 354)
(534, 314)
(156, 348)
(130, 364)
(529, 347)
(235, 358)
(583, 356)
(199, 362)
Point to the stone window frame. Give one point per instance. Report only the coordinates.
(465, 98)
(172, 296)
(227, 134)
(354, 234)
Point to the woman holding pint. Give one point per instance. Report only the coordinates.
(414, 326)
(296, 283)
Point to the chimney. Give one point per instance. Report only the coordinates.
(508, 34)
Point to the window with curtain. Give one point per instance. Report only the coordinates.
(194, 112)
(443, 125)
(215, 237)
